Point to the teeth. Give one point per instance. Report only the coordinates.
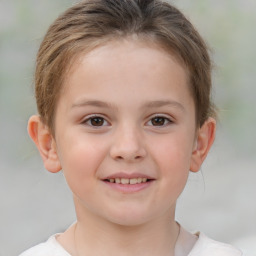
(133, 181)
(117, 180)
(128, 181)
(124, 181)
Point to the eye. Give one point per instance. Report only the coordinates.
(96, 121)
(159, 121)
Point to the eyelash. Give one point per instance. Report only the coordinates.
(103, 122)
(166, 121)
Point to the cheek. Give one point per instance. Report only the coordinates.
(80, 161)
(172, 156)
(173, 152)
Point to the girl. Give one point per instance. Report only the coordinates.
(123, 95)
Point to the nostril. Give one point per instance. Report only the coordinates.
(129, 157)
(127, 152)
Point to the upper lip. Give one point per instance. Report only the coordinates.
(128, 176)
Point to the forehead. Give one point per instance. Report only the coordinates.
(137, 48)
(126, 71)
(126, 59)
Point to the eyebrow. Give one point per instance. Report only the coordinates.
(162, 103)
(150, 104)
(95, 103)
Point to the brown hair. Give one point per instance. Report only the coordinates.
(94, 22)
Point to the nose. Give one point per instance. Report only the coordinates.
(128, 145)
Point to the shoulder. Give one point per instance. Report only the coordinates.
(50, 248)
(208, 247)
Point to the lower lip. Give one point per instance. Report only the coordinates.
(129, 188)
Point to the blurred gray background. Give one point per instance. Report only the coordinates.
(220, 200)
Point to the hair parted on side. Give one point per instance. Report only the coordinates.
(92, 23)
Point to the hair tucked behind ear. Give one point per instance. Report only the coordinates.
(91, 23)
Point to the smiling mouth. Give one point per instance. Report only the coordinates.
(126, 181)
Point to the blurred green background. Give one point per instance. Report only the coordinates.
(220, 200)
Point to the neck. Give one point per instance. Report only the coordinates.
(94, 236)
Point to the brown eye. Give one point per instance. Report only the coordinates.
(95, 121)
(160, 121)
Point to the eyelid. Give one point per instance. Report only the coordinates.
(165, 116)
(90, 117)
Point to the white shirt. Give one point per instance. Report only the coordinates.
(186, 245)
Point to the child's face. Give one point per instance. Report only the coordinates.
(126, 113)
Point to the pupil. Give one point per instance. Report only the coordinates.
(97, 121)
(158, 121)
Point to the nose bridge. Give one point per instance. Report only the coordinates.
(128, 143)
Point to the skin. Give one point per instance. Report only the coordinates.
(125, 110)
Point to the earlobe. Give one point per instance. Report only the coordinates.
(203, 143)
(46, 145)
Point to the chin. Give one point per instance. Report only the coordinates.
(129, 223)
(130, 218)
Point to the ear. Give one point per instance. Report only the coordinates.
(42, 137)
(204, 140)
